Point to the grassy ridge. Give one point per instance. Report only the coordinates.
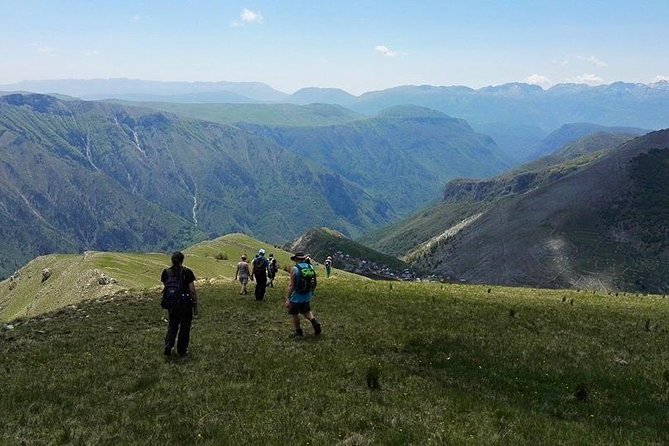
(455, 366)
(74, 277)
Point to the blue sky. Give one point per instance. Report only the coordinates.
(356, 45)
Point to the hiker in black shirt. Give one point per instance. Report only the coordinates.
(259, 273)
(180, 312)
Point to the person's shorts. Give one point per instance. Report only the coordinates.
(243, 280)
(298, 308)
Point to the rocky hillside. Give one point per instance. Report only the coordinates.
(463, 198)
(602, 226)
(350, 256)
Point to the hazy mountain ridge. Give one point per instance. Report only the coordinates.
(114, 88)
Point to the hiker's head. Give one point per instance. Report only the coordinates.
(177, 258)
(244, 258)
(261, 252)
(298, 257)
(271, 255)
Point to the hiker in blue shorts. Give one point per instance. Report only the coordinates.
(299, 293)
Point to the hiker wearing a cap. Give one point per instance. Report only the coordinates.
(328, 266)
(259, 273)
(299, 293)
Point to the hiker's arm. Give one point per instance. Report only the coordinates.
(192, 293)
(291, 286)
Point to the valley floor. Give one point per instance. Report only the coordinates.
(455, 365)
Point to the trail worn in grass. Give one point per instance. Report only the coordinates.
(455, 365)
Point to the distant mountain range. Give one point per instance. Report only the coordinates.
(81, 175)
(141, 90)
(508, 105)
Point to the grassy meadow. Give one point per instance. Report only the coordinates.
(398, 363)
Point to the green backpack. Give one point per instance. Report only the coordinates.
(307, 279)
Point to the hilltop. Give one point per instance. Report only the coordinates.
(347, 254)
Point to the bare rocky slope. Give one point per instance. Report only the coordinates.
(603, 226)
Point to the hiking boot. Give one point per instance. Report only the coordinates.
(317, 327)
(299, 333)
(167, 351)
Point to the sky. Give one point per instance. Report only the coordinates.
(355, 45)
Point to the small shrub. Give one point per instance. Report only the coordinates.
(581, 393)
(372, 378)
(221, 256)
(512, 313)
(647, 325)
(564, 299)
(571, 302)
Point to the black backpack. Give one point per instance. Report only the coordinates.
(307, 280)
(173, 292)
(259, 266)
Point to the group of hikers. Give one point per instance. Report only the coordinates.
(262, 270)
(180, 297)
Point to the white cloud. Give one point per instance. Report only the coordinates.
(660, 78)
(538, 79)
(593, 60)
(387, 52)
(588, 79)
(248, 17)
(47, 51)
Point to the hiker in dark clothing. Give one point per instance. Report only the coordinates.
(180, 281)
(272, 269)
(259, 273)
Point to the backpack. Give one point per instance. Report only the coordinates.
(307, 280)
(259, 266)
(174, 289)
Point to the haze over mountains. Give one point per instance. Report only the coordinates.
(616, 104)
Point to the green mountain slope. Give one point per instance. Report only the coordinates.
(403, 156)
(84, 175)
(262, 114)
(602, 226)
(463, 198)
(411, 364)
